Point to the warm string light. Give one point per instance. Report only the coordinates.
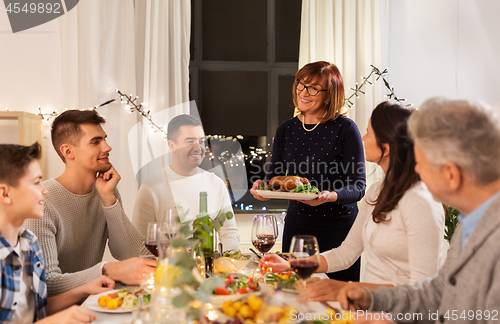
(379, 74)
(226, 157)
(131, 106)
(47, 116)
(55, 113)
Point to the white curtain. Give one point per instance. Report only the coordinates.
(142, 48)
(163, 31)
(98, 56)
(352, 35)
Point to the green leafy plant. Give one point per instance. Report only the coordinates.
(451, 222)
(190, 287)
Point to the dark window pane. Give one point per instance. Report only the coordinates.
(234, 103)
(285, 101)
(193, 35)
(287, 30)
(235, 30)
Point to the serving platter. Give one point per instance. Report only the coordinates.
(287, 195)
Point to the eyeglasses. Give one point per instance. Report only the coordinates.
(312, 91)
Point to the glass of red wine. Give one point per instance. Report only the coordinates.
(264, 232)
(151, 241)
(304, 255)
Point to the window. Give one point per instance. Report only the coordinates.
(244, 56)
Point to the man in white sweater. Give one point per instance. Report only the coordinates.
(83, 210)
(184, 180)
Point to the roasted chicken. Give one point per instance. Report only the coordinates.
(286, 183)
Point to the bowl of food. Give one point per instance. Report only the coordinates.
(231, 262)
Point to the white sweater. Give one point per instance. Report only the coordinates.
(73, 234)
(402, 250)
(152, 201)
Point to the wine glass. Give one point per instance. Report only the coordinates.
(166, 230)
(170, 223)
(264, 232)
(304, 255)
(151, 235)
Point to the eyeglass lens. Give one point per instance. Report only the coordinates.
(311, 90)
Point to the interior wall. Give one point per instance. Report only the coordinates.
(30, 76)
(444, 48)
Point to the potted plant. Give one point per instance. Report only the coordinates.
(451, 222)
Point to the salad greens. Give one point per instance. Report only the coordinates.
(303, 188)
(306, 188)
(288, 279)
(236, 285)
(235, 255)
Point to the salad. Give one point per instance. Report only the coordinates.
(303, 188)
(286, 279)
(235, 255)
(124, 298)
(306, 188)
(236, 285)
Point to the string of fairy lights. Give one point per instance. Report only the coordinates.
(132, 105)
(366, 80)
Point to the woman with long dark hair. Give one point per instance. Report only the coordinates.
(400, 226)
(324, 146)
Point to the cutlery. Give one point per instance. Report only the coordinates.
(258, 256)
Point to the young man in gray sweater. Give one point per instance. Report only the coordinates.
(83, 211)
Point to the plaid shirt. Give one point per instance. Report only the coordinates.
(12, 268)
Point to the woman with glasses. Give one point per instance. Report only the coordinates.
(399, 227)
(324, 146)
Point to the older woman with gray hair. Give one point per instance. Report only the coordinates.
(457, 148)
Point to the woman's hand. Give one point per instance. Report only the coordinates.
(274, 263)
(324, 290)
(256, 185)
(324, 197)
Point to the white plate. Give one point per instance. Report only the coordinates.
(287, 195)
(218, 300)
(92, 303)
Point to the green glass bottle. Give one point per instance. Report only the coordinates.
(204, 232)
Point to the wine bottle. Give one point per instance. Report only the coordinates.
(204, 233)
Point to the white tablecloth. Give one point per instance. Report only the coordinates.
(126, 318)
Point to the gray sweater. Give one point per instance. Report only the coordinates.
(466, 289)
(73, 234)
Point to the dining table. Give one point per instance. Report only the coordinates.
(127, 317)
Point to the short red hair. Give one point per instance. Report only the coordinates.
(320, 70)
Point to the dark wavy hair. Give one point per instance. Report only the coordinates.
(390, 125)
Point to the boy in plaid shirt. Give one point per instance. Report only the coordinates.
(23, 290)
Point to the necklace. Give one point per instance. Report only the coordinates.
(310, 130)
